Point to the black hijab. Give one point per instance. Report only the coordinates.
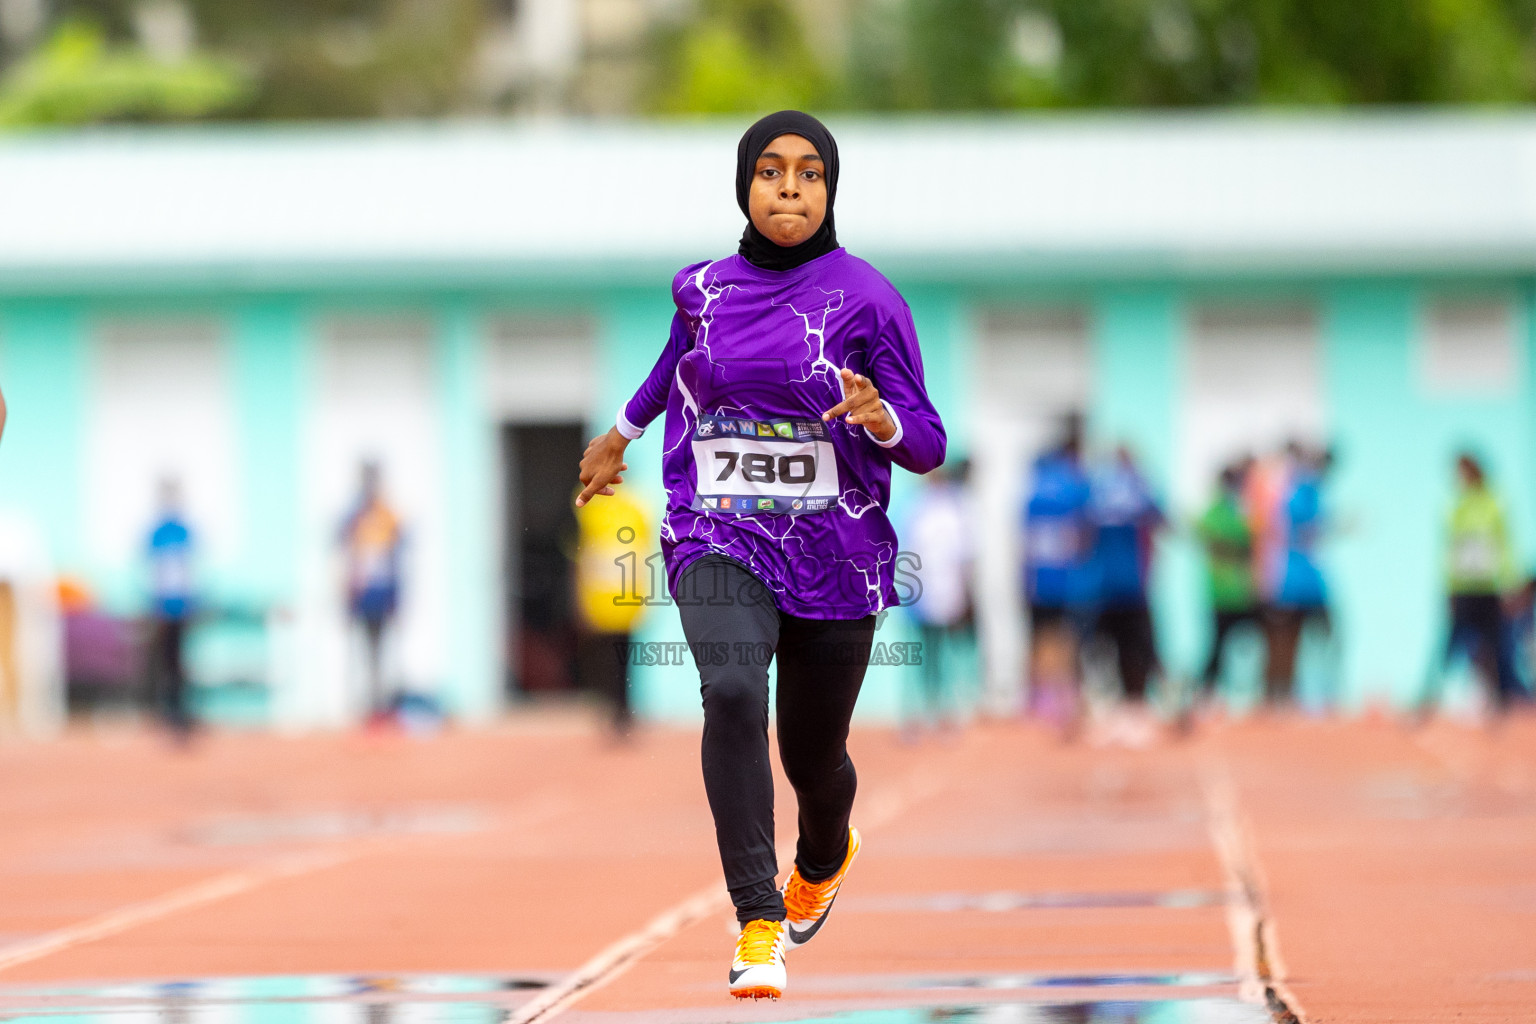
(758, 249)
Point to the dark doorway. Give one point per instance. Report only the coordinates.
(539, 469)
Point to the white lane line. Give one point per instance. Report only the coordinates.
(533, 811)
(198, 894)
(1255, 942)
(612, 962)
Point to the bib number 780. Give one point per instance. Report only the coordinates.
(761, 468)
(755, 468)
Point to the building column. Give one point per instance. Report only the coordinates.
(44, 364)
(45, 358)
(268, 357)
(1138, 341)
(472, 688)
(632, 333)
(1374, 574)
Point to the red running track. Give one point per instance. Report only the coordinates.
(1357, 870)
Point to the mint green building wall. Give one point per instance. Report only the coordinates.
(43, 373)
(1395, 437)
(1393, 485)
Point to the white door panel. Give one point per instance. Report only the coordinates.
(1033, 367)
(1253, 379)
(376, 400)
(160, 407)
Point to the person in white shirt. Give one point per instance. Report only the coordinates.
(938, 533)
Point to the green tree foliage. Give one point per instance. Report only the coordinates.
(736, 56)
(76, 78)
(350, 58)
(1010, 54)
(307, 59)
(296, 59)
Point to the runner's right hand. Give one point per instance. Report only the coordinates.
(601, 465)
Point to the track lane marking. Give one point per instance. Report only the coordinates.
(198, 894)
(611, 962)
(1255, 942)
(535, 810)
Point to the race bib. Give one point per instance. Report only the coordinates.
(1477, 557)
(745, 467)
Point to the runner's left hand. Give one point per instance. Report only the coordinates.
(861, 402)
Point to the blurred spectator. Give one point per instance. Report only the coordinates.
(608, 598)
(32, 692)
(1300, 592)
(372, 538)
(10, 671)
(103, 660)
(1057, 584)
(170, 550)
(1479, 569)
(1520, 633)
(938, 532)
(1126, 519)
(1227, 537)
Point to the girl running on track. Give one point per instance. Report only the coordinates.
(791, 382)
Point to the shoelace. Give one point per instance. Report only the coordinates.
(807, 900)
(757, 941)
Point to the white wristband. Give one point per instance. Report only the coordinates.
(896, 437)
(625, 427)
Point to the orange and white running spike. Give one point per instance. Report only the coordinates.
(808, 903)
(758, 970)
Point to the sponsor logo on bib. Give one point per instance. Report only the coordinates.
(771, 467)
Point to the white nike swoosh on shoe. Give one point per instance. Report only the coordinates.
(797, 936)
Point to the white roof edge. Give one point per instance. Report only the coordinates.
(1332, 192)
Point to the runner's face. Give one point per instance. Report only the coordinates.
(788, 200)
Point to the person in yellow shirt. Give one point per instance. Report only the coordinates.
(372, 538)
(613, 538)
(1479, 573)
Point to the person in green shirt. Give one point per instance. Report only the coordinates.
(1227, 537)
(1479, 570)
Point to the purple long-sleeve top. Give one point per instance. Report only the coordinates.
(751, 470)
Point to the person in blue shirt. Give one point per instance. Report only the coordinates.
(170, 550)
(1057, 585)
(1125, 519)
(1301, 592)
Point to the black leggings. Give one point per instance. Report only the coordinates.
(734, 629)
(170, 678)
(1130, 628)
(1226, 621)
(1477, 629)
